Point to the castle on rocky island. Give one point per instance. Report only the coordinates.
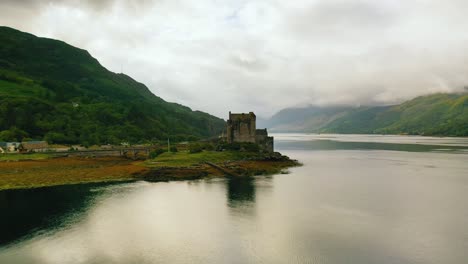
(241, 127)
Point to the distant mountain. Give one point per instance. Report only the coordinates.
(310, 119)
(53, 91)
(437, 114)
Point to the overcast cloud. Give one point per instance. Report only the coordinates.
(249, 55)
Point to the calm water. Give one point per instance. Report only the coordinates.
(357, 199)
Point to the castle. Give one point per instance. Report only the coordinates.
(242, 128)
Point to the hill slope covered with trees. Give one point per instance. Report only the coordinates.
(53, 91)
(437, 114)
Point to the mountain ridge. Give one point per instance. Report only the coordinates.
(53, 91)
(440, 114)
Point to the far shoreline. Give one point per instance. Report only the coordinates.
(276, 133)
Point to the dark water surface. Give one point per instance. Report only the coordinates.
(357, 199)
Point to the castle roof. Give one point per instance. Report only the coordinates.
(241, 116)
(34, 144)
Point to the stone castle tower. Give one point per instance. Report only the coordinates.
(242, 128)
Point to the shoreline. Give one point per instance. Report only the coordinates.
(57, 171)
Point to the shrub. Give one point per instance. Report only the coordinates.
(237, 146)
(208, 146)
(195, 148)
(153, 154)
(250, 147)
(13, 134)
(174, 149)
(229, 146)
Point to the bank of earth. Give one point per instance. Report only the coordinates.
(21, 171)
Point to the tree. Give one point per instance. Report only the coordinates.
(13, 134)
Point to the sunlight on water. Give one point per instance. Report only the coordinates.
(348, 204)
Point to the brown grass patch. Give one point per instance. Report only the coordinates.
(59, 171)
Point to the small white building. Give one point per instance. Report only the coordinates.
(10, 147)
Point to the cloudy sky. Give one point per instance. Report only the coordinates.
(249, 55)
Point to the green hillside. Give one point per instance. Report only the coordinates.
(53, 91)
(437, 114)
(310, 119)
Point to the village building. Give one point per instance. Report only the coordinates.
(241, 127)
(9, 147)
(34, 146)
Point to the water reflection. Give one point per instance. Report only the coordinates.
(240, 191)
(31, 210)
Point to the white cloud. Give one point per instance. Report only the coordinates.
(262, 56)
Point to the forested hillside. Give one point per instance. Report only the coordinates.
(437, 114)
(53, 91)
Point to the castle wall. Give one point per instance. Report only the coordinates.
(243, 133)
(242, 128)
(265, 142)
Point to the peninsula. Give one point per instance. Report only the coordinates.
(240, 151)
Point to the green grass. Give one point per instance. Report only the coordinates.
(185, 159)
(17, 156)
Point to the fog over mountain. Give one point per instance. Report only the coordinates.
(263, 56)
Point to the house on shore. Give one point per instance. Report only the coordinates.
(241, 127)
(10, 147)
(33, 146)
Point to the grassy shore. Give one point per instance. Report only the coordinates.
(61, 171)
(184, 165)
(39, 170)
(17, 157)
